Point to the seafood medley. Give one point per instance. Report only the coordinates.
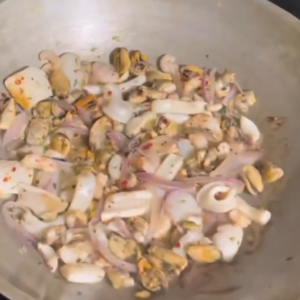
(129, 171)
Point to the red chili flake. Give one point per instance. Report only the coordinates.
(37, 181)
(18, 81)
(37, 160)
(109, 93)
(30, 175)
(13, 169)
(177, 245)
(3, 95)
(147, 146)
(5, 179)
(76, 135)
(124, 184)
(165, 121)
(73, 186)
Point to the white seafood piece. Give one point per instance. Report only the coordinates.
(189, 238)
(173, 106)
(93, 89)
(137, 124)
(207, 197)
(82, 273)
(40, 202)
(249, 129)
(97, 137)
(228, 240)
(35, 226)
(28, 87)
(162, 227)
(39, 162)
(49, 255)
(103, 73)
(180, 205)
(167, 63)
(77, 251)
(260, 216)
(126, 204)
(71, 66)
(84, 191)
(118, 110)
(8, 115)
(170, 167)
(11, 174)
(165, 87)
(186, 149)
(177, 118)
(114, 167)
(37, 131)
(75, 235)
(133, 83)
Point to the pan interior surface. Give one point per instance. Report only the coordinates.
(250, 37)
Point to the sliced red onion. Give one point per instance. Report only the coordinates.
(75, 125)
(13, 224)
(234, 162)
(163, 183)
(16, 129)
(118, 226)
(65, 105)
(212, 85)
(49, 181)
(99, 238)
(230, 95)
(204, 81)
(85, 116)
(119, 140)
(124, 168)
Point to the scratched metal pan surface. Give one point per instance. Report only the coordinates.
(257, 40)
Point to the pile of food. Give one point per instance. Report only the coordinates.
(130, 171)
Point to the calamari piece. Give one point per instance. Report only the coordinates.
(260, 216)
(249, 129)
(119, 279)
(162, 227)
(40, 202)
(103, 73)
(37, 227)
(76, 252)
(174, 106)
(177, 118)
(28, 87)
(8, 115)
(137, 124)
(186, 149)
(126, 204)
(139, 228)
(11, 174)
(114, 167)
(217, 197)
(170, 167)
(228, 240)
(39, 162)
(82, 273)
(132, 84)
(49, 255)
(84, 191)
(179, 205)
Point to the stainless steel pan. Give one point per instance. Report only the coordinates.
(258, 41)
